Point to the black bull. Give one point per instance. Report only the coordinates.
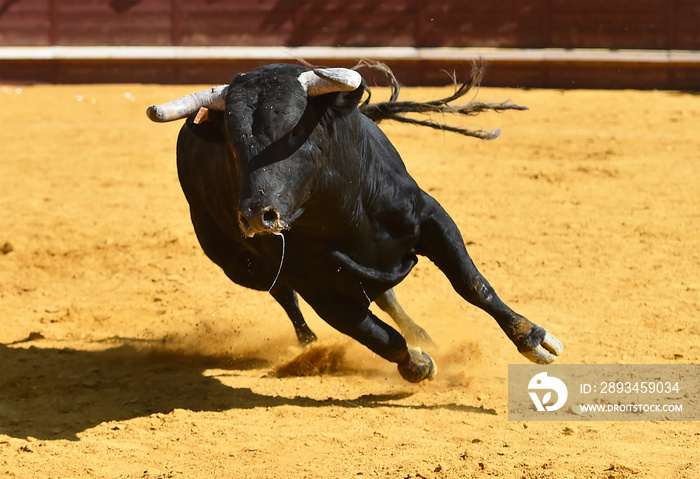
(277, 155)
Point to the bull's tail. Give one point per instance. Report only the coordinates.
(397, 110)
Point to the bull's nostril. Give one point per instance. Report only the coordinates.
(271, 217)
(254, 221)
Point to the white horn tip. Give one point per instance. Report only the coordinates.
(329, 80)
(344, 78)
(155, 114)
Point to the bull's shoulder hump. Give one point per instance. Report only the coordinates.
(381, 150)
(385, 164)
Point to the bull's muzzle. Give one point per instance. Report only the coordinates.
(255, 221)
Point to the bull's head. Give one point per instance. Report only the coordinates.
(269, 123)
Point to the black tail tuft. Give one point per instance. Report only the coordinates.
(397, 110)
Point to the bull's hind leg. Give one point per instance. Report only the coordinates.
(413, 333)
(353, 319)
(442, 242)
(247, 269)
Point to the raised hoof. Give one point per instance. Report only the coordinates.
(418, 368)
(545, 350)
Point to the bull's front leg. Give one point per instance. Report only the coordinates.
(356, 321)
(441, 241)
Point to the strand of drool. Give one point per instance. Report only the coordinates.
(279, 270)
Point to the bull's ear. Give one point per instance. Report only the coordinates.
(349, 99)
(211, 130)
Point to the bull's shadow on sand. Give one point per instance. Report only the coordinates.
(50, 393)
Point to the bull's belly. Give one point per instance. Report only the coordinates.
(320, 271)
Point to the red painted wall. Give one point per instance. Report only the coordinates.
(647, 24)
(610, 24)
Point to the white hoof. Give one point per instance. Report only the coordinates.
(546, 352)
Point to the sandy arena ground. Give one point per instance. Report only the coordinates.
(125, 353)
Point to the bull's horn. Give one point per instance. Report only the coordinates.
(213, 98)
(329, 80)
